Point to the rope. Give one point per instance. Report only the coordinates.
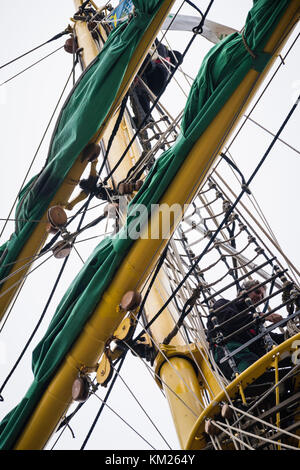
(40, 144)
(36, 327)
(247, 47)
(45, 308)
(32, 65)
(103, 404)
(57, 36)
(229, 212)
(198, 28)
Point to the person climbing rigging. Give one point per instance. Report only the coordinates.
(228, 314)
(154, 72)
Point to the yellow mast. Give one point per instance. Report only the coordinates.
(142, 256)
(32, 247)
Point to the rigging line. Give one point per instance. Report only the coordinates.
(194, 6)
(143, 409)
(114, 132)
(134, 430)
(10, 310)
(292, 267)
(103, 403)
(142, 162)
(68, 418)
(266, 423)
(240, 216)
(38, 256)
(78, 254)
(155, 274)
(32, 259)
(261, 214)
(22, 220)
(230, 210)
(271, 133)
(255, 436)
(187, 77)
(271, 389)
(30, 66)
(45, 308)
(65, 422)
(197, 30)
(154, 374)
(233, 436)
(104, 234)
(57, 36)
(40, 144)
(264, 90)
(176, 330)
(260, 96)
(36, 327)
(81, 210)
(258, 210)
(167, 359)
(17, 261)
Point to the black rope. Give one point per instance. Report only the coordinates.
(44, 311)
(103, 403)
(228, 213)
(197, 29)
(194, 6)
(36, 327)
(57, 36)
(185, 311)
(30, 66)
(235, 167)
(39, 146)
(114, 132)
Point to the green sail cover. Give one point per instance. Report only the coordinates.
(222, 71)
(81, 116)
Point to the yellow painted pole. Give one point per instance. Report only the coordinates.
(182, 390)
(32, 247)
(133, 270)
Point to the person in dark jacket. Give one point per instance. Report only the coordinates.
(154, 72)
(230, 322)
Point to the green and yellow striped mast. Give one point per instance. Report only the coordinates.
(141, 258)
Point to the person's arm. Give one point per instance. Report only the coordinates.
(274, 317)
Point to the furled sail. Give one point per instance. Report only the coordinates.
(77, 124)
(223, 70)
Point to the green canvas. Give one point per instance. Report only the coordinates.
(222, 71)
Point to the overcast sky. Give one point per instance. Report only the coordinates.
(27, 103)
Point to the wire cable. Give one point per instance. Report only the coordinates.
(57, 36)
(228, 213)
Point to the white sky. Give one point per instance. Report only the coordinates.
(26, 105)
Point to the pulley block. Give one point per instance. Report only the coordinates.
(131, 300)
(80, 389)
(128, 188)
(70, 45)
(61, 249)
(226, 411)
(91, 152)
(57, 219)
(125, 329)
(104, 371)
(210, 428)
